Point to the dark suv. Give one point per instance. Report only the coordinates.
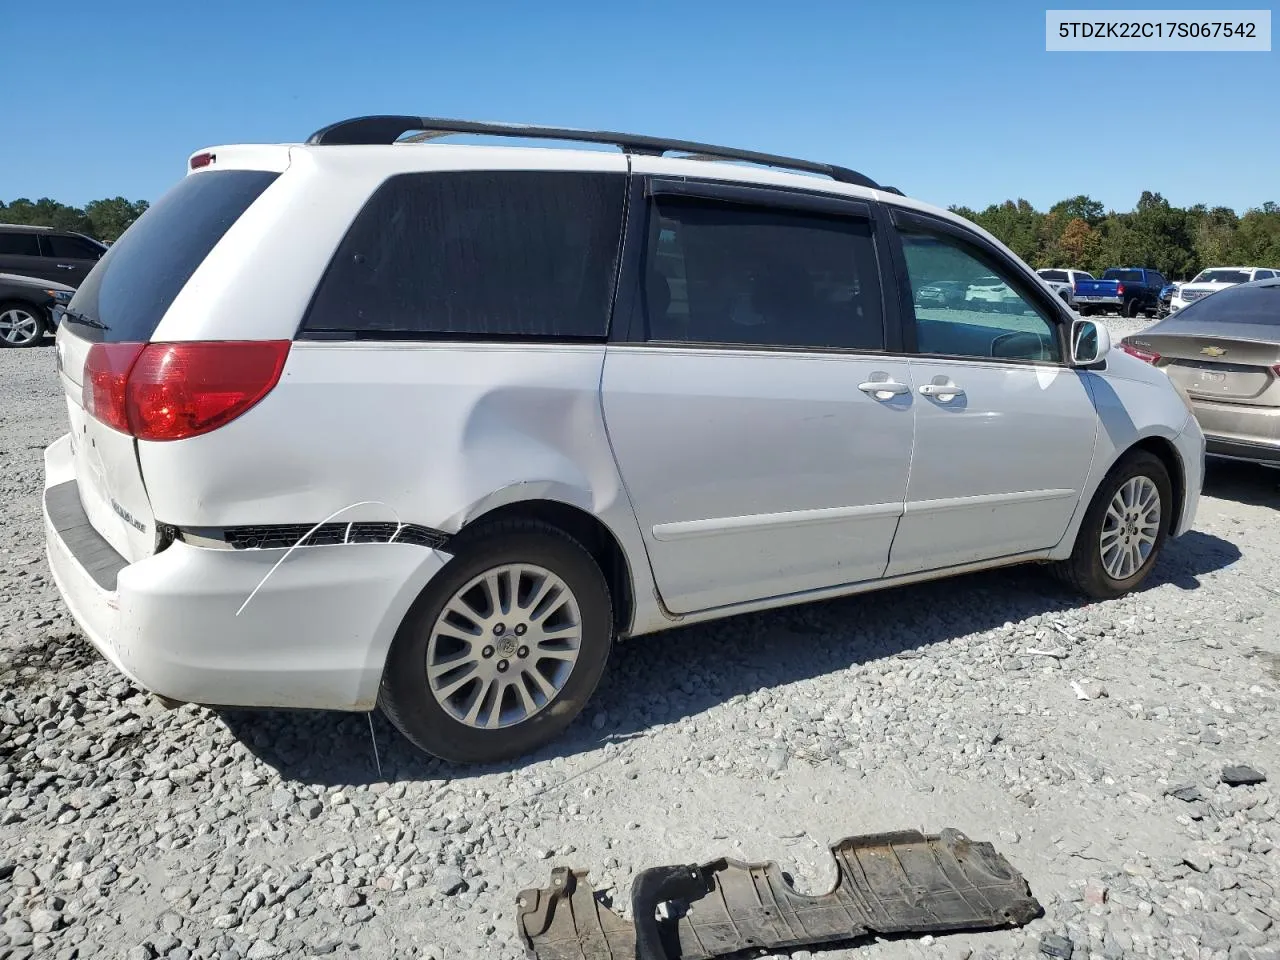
(47, 253)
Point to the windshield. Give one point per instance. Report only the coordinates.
(1132, 276)
(1256, 305)
(1222, 276)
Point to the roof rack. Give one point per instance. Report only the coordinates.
(389, 129)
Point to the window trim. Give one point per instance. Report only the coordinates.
(354, 335)
(1025, 282)
(630, 324)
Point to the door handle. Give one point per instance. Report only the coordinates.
(943, 391)
(66, 266)
(884, 389)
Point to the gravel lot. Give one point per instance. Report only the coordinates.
(127, 830)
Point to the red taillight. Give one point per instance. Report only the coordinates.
(106, 376)
(202, 160)
(1120, 289)
(1146, 356)
(168, 391)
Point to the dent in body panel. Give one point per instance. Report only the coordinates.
(440, 433)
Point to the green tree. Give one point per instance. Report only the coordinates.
(1080, 207)
(110, 218)
(44, 213)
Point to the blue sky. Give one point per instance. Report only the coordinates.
(952, 102)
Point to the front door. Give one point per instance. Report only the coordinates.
(1005, 430)
(761, 428)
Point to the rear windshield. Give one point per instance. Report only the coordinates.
(1059, 275)
(1133, 276)
(1222, 276)
(1260, 305)
(126, 294)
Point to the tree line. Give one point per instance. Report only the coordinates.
(1179, 242)
(1079, 232)
(101, 219)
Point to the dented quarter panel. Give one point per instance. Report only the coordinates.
(436, 434)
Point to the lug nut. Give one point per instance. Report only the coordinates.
(522, 652)
(487, 652)
(502, 666)
(499, 629)
(520, 629)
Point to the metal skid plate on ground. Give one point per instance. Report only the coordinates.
(891, 883)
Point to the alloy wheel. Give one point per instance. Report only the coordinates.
(19, 327)
(1130, 527)
(503, 646)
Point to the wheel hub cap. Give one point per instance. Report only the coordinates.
(503, 646)
(1130, 528)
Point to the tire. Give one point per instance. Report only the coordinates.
(1130, 309)
(441, 725)
(1087, 569)
(21, 325)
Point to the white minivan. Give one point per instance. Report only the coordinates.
(372, 421)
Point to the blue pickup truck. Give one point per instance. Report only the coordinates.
(1126, 290)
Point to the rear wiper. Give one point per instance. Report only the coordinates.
(76, 317)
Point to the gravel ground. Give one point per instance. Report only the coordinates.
(129, 830)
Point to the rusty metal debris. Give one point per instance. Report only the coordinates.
(889, 883)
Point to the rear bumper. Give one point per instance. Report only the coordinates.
(1240, 431)
(1100, 301)
(315, 634)
(1265, 453)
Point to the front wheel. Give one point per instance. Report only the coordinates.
(503, 648)
(20, 325)
(1123, 530)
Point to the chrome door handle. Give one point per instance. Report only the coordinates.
(943, 391)
(884, 389)
(66, 266)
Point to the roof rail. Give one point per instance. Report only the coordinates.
(389, 129)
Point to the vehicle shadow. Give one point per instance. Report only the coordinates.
(665, 677)
(1249, 483)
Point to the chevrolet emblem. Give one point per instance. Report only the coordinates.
(1213, 351)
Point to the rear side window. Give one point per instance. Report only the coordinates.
(19, 245)
(732, 274)
(483, 254)
(1058, 275)
(72, 248)
(1129, 276)
(141, 273)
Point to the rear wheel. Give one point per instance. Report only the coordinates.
(21, 325)
(504, 647)
(1123, 530)
(1130, 309)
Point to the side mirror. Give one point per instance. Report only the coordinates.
(1090, 342)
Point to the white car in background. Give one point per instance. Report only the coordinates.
(991, 293)
(1063, 282)
(1214, 279)
(428, 427)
